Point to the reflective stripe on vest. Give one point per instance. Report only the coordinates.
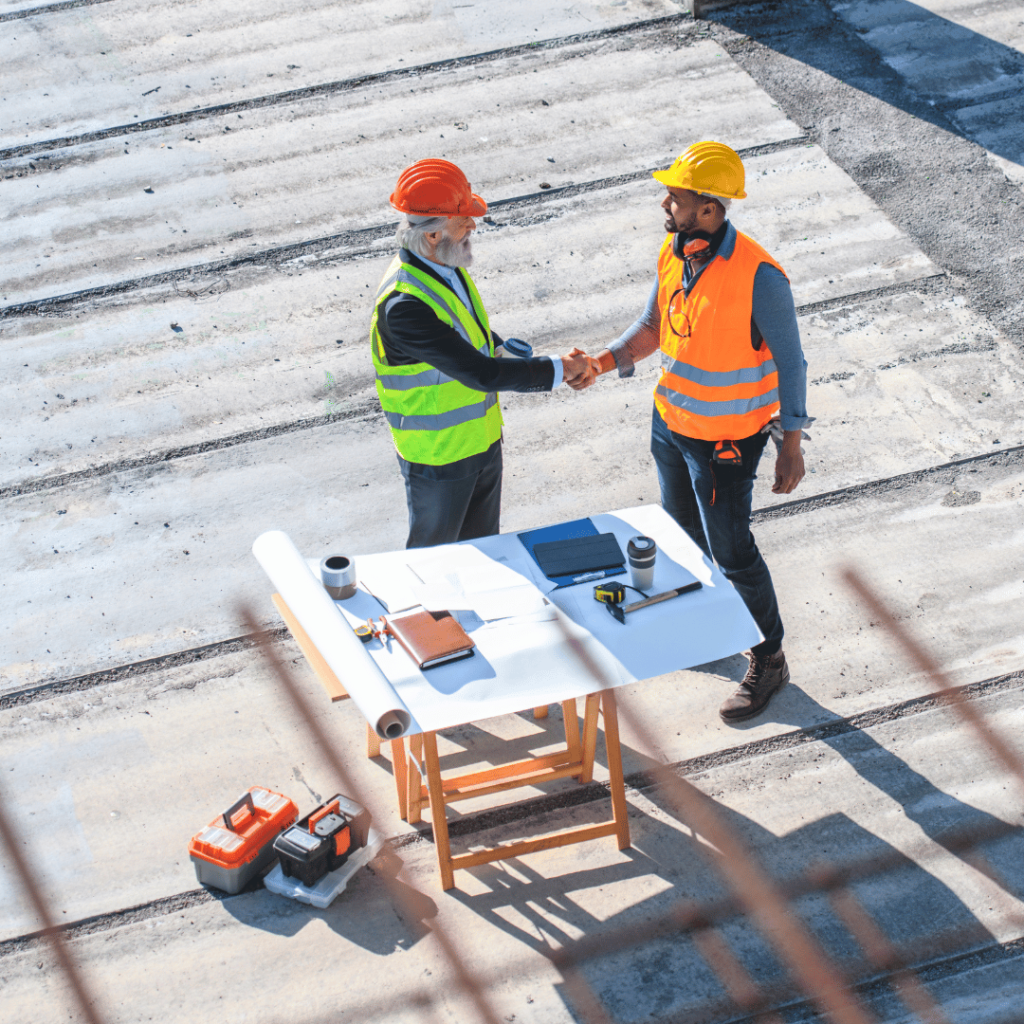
(735, 407)
(441, 420)
(718, 378)
(714, 385)
(433, 418)
(394, 382)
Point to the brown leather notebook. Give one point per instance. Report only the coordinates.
(431, 638)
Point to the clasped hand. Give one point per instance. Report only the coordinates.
(579, 370)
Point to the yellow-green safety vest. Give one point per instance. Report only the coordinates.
(433, 418)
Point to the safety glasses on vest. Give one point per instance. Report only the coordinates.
(677, 306)
(695, 249)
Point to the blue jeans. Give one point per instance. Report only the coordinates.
(459, 501)
(712, 503)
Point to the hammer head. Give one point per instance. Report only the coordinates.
(616, 613)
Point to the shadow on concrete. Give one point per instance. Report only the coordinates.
(668, 976)
(364, 914)
(668, 863)
(939, 815)
(896, 51)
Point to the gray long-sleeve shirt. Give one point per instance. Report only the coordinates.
(774, 317)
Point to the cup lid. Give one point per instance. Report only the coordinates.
(642, 543)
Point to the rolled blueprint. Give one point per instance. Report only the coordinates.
(332, 635)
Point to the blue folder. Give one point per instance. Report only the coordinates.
(564, 531)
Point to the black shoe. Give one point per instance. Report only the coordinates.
(765, 677)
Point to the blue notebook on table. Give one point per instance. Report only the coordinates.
(598, 553)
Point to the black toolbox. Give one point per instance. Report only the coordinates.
(323, 840)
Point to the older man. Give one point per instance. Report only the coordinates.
(721, 312)
(434, 357)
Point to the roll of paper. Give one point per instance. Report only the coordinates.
(332, 635)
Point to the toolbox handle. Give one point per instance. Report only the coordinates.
(242, 801)
(331, 808)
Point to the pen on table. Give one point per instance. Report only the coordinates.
(597, 574)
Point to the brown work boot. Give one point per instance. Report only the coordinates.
(765, 677)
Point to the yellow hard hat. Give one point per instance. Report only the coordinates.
(711, 168)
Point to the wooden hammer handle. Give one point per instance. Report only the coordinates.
(696, 585)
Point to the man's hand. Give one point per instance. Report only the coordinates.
(789, 466)
(578, 369)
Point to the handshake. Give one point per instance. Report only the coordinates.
(579, 370)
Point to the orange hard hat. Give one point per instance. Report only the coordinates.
(436, 188)
(711, 168)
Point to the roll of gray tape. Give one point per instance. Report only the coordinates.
(338, 573)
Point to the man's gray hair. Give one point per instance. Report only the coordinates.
(412, 231)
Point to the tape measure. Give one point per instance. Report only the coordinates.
(364, 632)
(727, 454)
(610, 592)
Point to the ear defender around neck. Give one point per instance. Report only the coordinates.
(690, 249)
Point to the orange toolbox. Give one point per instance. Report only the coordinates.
(239, 844)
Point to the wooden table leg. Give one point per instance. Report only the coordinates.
(438, 812)
(591, 707)
(620, 812)
(372, 741)
(541, 712)
(571, 722)
(414, 801)
(398, 766)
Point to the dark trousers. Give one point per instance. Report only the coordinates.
(688, 479)
(459, 501)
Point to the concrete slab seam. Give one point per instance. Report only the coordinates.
(1010, 456)
(186, 451)
(881, 984)
(342, 85)
(357, 239)
(65, 5)
(117, 919)
(958, 348)
(90, 680)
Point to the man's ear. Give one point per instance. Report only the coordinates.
(709, 210)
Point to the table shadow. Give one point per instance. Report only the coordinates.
(669, 863)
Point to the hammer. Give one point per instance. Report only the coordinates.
(619, 611)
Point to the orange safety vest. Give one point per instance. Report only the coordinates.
(714, 386)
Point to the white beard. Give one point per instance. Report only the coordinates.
(454, 254)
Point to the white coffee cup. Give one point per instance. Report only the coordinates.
(641, 552)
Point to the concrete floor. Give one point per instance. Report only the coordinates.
(195, 220)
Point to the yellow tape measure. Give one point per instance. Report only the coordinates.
(610, 592)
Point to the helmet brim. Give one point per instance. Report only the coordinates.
(673, 180)
(477, 208)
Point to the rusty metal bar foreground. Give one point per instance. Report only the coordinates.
(768, 903)
(51, 931)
